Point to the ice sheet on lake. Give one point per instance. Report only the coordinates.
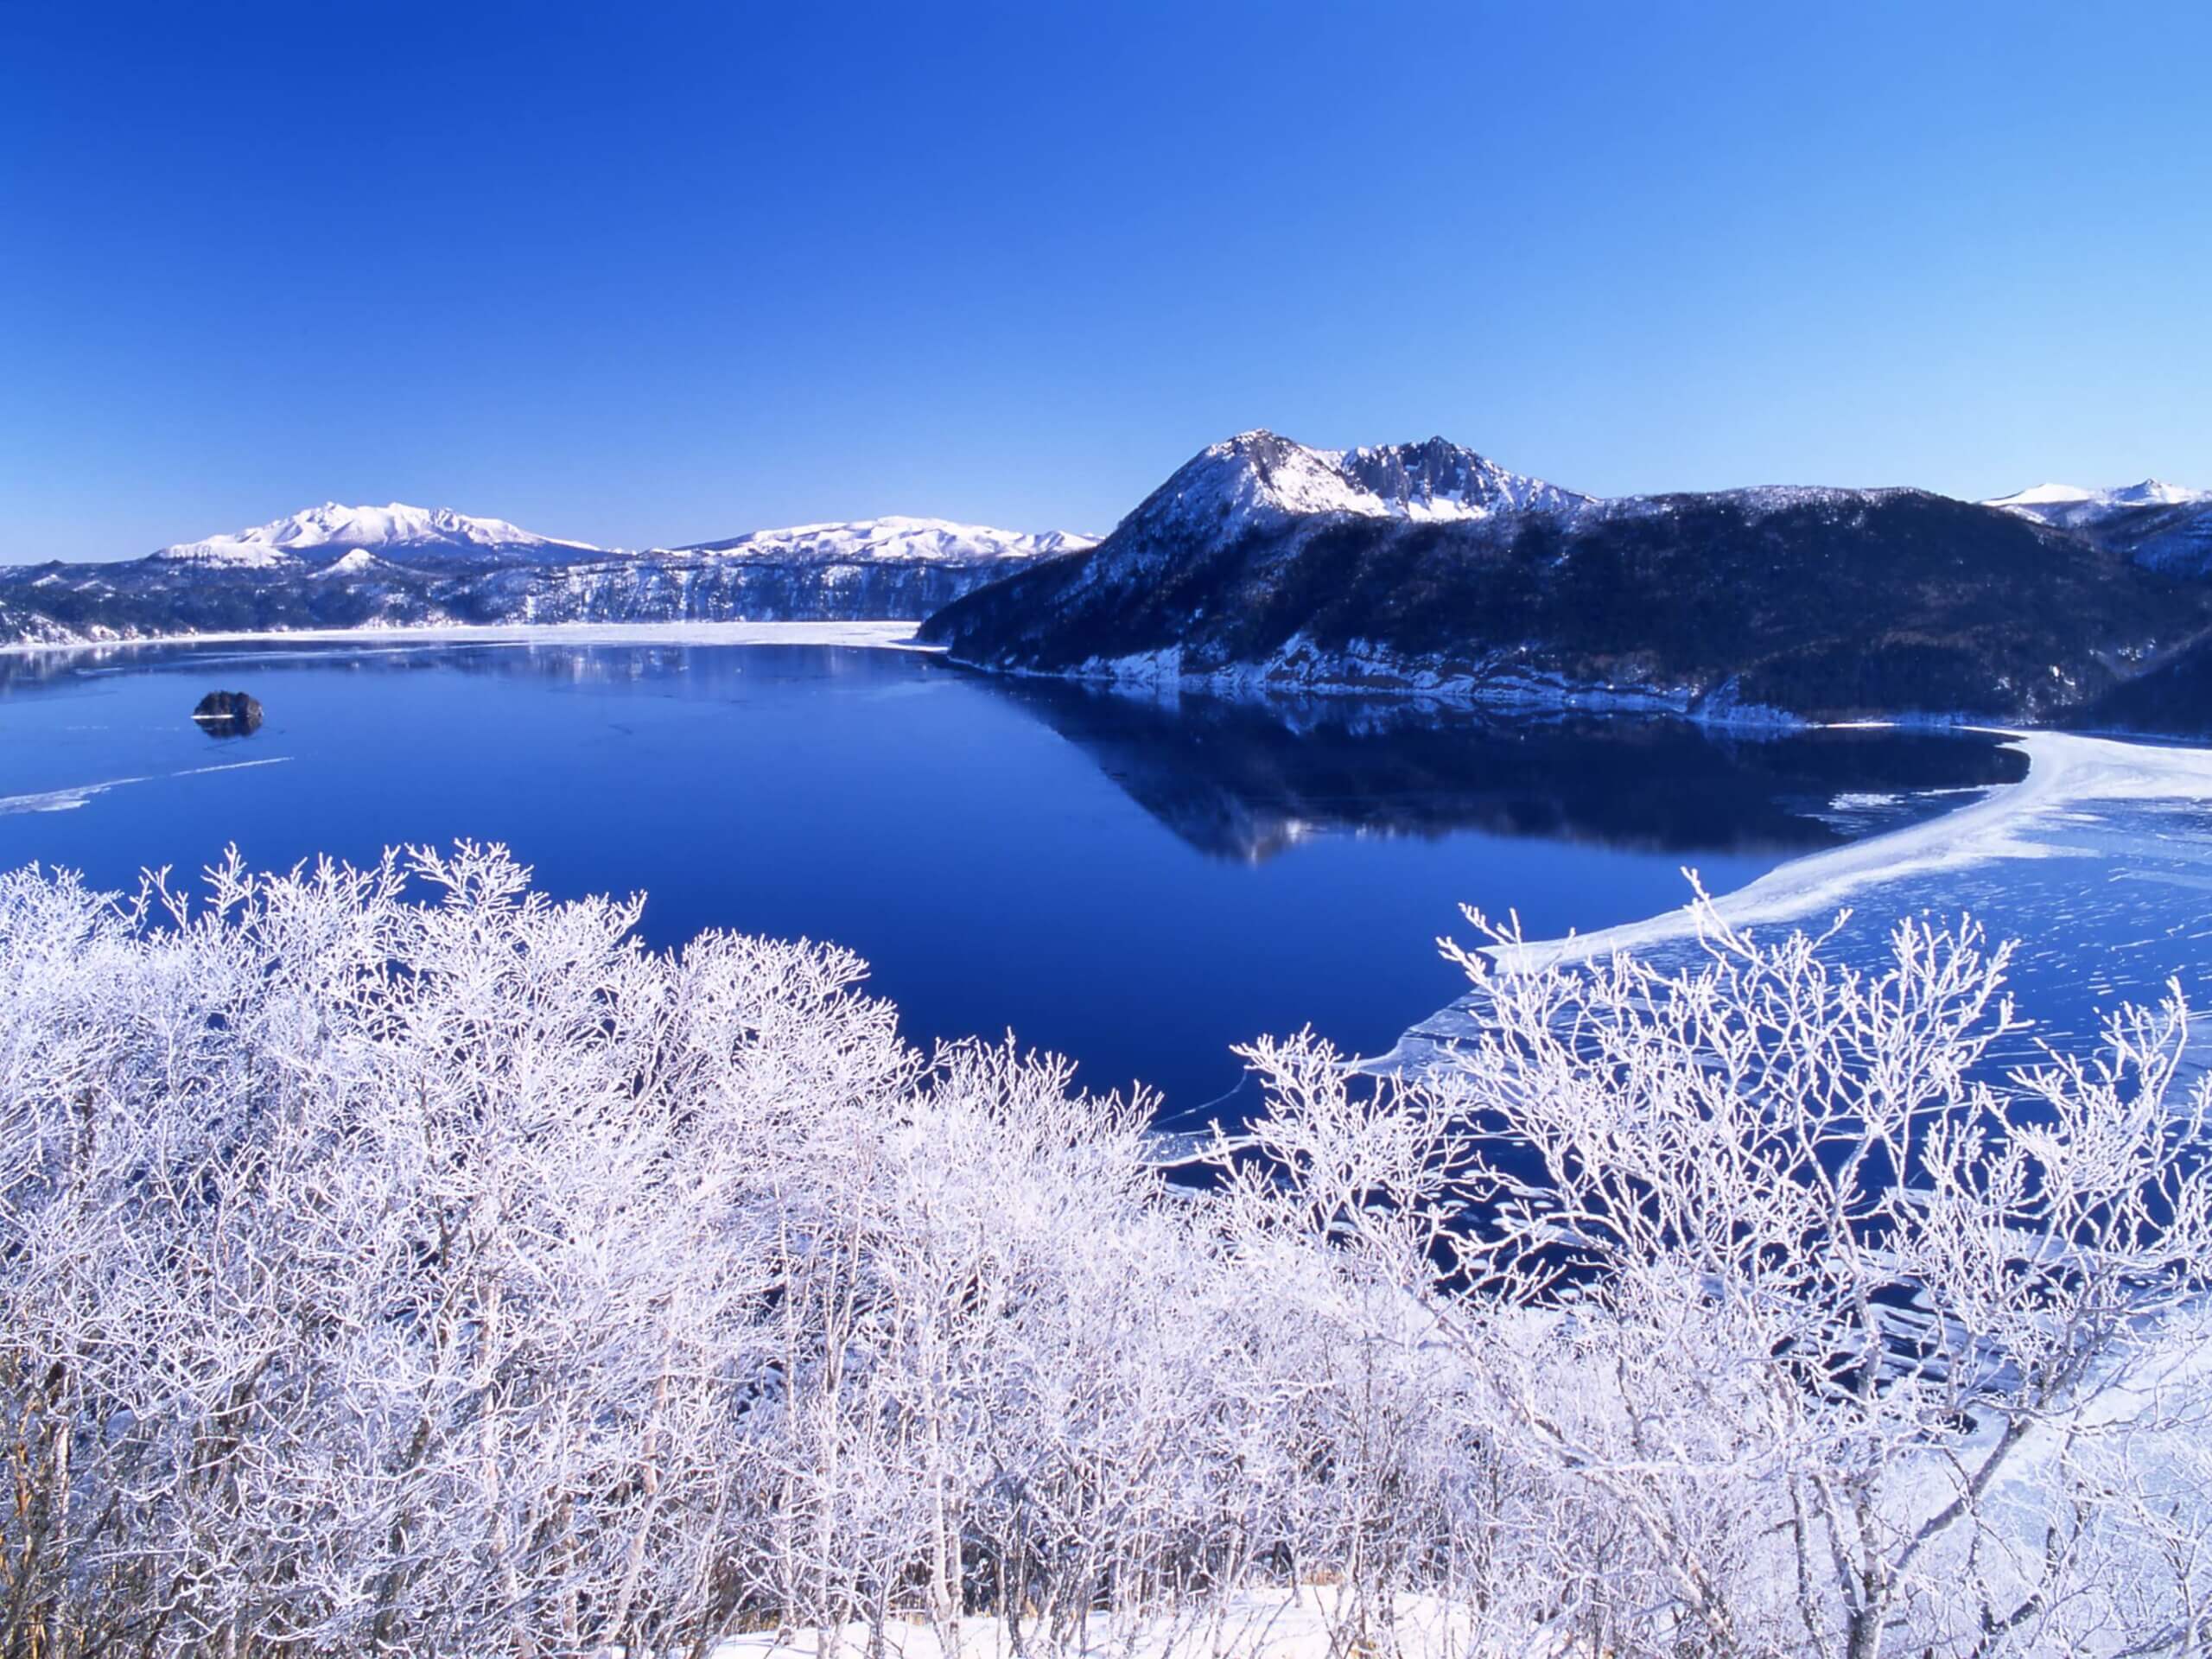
(2099, 863)
(76, 795)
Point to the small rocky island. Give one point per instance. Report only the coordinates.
(228, 713)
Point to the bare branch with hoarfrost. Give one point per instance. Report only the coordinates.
(386, 1276)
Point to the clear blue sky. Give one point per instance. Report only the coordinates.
(659, 272)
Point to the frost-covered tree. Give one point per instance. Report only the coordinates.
(396, 1261)
(1856, 1345)
(383, 1275)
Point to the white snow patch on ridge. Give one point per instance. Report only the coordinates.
(279, 542)
(2151, 492)
(1261, 474)
(351, 565)
(2043, 495)
(2165, 526)
(892, 540)
(1301, 480)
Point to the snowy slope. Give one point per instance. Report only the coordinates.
(1441, 480)
(2166, 527)
(395, 529)
(360, 562)
(1257, 478)
(892, 540)
(23, 626)
(2051, 502)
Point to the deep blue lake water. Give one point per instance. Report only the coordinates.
(1135, 883)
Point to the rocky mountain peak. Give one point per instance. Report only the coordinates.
(1260, 476)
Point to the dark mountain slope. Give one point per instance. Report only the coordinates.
(1826, 603)
(2172, 700)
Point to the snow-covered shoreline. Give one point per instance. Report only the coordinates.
(1499, 684)
(2065, 770)
(893, 635)
(2062, 769)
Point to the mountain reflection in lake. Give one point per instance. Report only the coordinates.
(1248, 779)
(1138, 884)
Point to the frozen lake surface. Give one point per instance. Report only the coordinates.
(2098, 864)
(1138, 884)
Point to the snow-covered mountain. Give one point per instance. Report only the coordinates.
(2166, 527)
(1442, 480)
(335, 566)
(1419, 567)
(1426, 569)
(894, 540)
(395, 530)
(1258, 478)
(2051, 501)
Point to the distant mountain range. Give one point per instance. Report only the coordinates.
(895, 541)
(332, 534)
(1421, 569)
(2162, 525)
(336, 566)
(1428, 569)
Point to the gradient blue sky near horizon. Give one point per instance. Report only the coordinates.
(660, 273)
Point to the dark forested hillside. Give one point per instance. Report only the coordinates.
(1816, 603)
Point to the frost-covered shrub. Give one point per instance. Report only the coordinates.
(1841, 1342)
(389, 1277)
